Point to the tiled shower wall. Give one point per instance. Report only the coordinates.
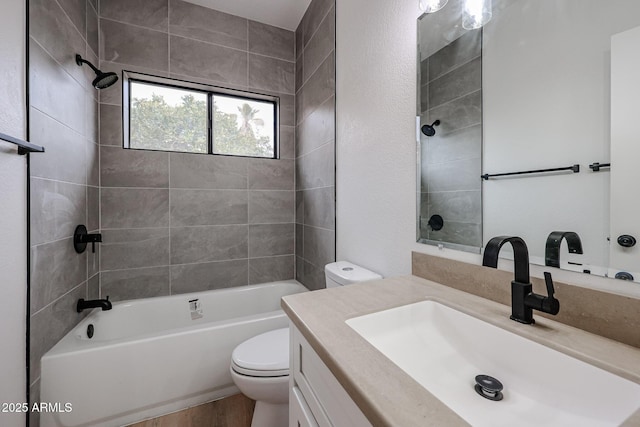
(63, 112)
(315, 143)
(451, 91)
(172, 222)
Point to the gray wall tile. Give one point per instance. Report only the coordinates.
(458, 114)
(465, 48)
(319, 207)
(76, 11)
(313, 17)
(271, 74)
(457, 145)
(121, 167)
(208, 276)
(208, 207)
(454, 176)
(123, 249)
(299, 240)
(93, 287)
(92, 115)
(310, 275)
(316, 169)
(56, 209)
(287, 110)
(134, 208)
(93, 209)
(110, 125)
(92, 30)
(457, 206)
(271, 41)
(299, 41)
(211, 172)
(205, 24)
(299, 73)
(145, 13)
(320, 87)
(300, 207)
(63, 147)
(265, 270)
(206, 244)
(93, 261)
(92, 163)
(55, 32)
(271, 207)
(457, 232)
(460, 81)
(128, 44)
(287, 142)
(133, 284)
(53, 91)
(52, 323)
(320, 46)
(318, 128)
(268, 174)
(271, 240)
(56, 269)
(199, 59)
(319, 246)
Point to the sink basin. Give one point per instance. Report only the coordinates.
(444, 349)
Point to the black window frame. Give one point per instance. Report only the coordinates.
(211, 91)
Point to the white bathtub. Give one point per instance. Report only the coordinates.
(153, 356)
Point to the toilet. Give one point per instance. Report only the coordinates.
(260, 365)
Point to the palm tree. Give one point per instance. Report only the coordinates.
(247, 113)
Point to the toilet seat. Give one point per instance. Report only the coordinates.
(265, 355)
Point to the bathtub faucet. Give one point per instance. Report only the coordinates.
(104, 304)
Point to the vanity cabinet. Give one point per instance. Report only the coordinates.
(316, 398)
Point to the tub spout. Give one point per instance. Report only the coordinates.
(83, 304)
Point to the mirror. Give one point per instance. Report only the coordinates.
(544, 85)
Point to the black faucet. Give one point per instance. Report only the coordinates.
(523, 300)
(83, 304)
(552, 248)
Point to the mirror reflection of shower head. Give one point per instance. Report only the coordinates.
(102, 80)
(430, 130)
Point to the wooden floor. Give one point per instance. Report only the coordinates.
(233, 411)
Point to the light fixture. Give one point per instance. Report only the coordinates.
(430, 6)
(476, 13)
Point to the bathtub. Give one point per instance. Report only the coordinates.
(153, 356)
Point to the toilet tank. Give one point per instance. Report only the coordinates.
(344, 273)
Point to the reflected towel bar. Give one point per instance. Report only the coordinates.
(595, 167)
(574, 168)
(24, 147)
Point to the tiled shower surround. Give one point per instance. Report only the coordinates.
(172, 222)
(451, 91)
(315, 143)
(63, 117)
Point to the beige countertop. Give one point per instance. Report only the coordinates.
(383, 391)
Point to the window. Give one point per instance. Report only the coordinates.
(172, 115)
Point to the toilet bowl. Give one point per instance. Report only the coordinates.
(260, 365)
(260, 369)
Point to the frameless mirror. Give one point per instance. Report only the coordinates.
(547, 85)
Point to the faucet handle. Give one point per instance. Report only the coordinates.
(550, 304)
(549, 282)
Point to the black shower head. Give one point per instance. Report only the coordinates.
(430, 130)
(102, 80)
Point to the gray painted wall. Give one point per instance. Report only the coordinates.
(451, 91)
(63, 111)
(315, 143)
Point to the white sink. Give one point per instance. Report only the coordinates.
(444, 349)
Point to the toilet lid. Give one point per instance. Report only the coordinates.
(265, 355)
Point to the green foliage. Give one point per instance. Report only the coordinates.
(156, 125)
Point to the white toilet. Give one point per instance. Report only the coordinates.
(260, 365)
